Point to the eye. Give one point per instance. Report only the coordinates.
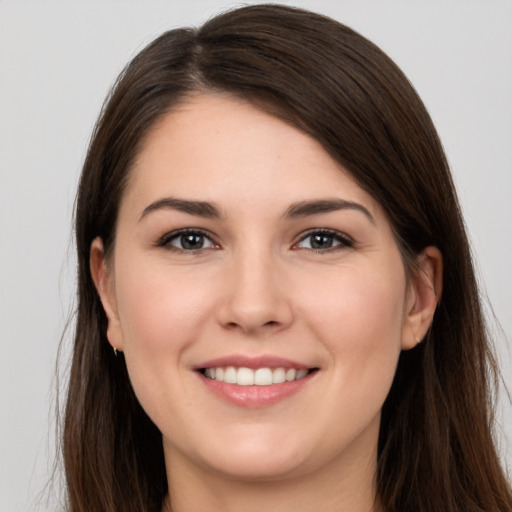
(324, 240)
(187, 240)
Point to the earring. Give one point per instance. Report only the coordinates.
(115, 351)
(418, 340)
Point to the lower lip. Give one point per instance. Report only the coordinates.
(254, 397)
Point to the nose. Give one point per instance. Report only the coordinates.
(256, 299)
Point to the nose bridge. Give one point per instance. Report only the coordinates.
(255, 298)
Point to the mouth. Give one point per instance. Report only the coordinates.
(263, 376)
(255, 382)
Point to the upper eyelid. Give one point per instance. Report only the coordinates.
(333, 232)
(164, 239)
(167, 237)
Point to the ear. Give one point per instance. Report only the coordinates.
(423, 294)
(103, 278)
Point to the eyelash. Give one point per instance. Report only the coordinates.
(343, 240)
(166, 240)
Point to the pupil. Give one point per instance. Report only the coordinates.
(321, 241)
(192, 241)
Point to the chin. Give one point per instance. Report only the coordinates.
(256, 457)
(259, 468)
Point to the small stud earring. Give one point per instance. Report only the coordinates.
(418, 340)
(115, 351)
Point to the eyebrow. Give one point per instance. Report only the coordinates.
(199, 208)
(296, 210)
(320, 206)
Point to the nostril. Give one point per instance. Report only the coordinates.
(251, 315)
(270, 323)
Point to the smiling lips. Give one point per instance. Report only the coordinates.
(254, 382)
(260, 377)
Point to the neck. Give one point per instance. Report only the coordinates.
(347, 485)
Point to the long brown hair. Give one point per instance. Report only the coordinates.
(436, 451)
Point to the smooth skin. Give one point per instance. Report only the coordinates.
(257, 273)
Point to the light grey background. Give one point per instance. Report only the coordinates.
(57, 60)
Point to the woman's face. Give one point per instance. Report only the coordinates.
(258, 294)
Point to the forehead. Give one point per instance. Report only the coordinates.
(222, 148)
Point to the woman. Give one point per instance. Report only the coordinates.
(277, 306)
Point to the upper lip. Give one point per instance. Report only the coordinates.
(242, 361)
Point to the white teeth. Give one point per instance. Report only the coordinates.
(290, 374)
(244, 377)
(301, 374)
(260, 377)
(263, 377)
(230, 375)
(278, 376)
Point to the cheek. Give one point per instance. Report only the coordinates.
(353, 302)
(359, 322)
(162, 314)
(159, 310)
(359, 318)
